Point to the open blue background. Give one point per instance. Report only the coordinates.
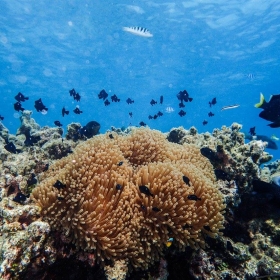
(211, 48)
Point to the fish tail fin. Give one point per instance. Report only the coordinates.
(261, 103)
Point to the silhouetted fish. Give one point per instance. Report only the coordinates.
(182, 113)
(205, 122)
(213, 102)
(161, 99)
(59, 185)
(193, 197)
(32, 180)
(145, 190)
(129, 101)
(107, 102)
(20, 197)
(210, 154)
(102, 94)
(159, 114)
(17, 106)
(155, 209)
(181, 105)
(264, 187)
(72, 92)
(58, 123)
(20, 97)
(220, 174)
(142, 123)
(186, 180)
(114, 98)
(130, 114)
(210, 114)
(39, 106)
(252, 131)
(271, 110)
(77, 97)
(153, 102)
(77, 111)
(30, 140)
(64, 112)
(10, 147)
(184, 96)
(90, 129)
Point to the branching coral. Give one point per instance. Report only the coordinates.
(125, 196)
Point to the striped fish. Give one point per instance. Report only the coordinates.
(140, 31)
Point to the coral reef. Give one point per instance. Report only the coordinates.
(230, 155)
(125, 197)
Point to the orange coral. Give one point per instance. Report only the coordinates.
(102, 208)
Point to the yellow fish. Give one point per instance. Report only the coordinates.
(168, 243)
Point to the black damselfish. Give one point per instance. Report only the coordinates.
(210, 114)
(205, 122)
(252, 131)
(118, 187)
(1, 118)
(90, 129)
(102, 94)
(193, 197)
(20, 198)
(64, 112)
(161, 99)
(39, 106)
(77, 97)
(210, 154)
(114, 98)
(32, 180)
(77, 111)
(181, 105)
(18, 107)
(186, 180)
(20, 97)
(145, 190)
(221, 175)
(59, 185)
(153, 102)
(10, 147)
(155, 209)
(182, 113)
(184, 96)
(107, 102)
(129, 101)
(72, 92)
(30, 140)
(58, 123)
(213, 102)
(142, 123)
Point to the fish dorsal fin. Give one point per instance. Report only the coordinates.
(261, 103)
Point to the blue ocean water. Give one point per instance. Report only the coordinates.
(211, 48)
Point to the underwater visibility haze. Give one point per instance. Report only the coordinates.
(103, 64)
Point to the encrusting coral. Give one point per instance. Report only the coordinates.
(125, 196)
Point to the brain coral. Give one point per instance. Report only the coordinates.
(100, 206)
